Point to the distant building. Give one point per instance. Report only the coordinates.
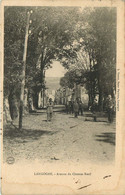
(63, 95)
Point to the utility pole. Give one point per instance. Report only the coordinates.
(23, 71)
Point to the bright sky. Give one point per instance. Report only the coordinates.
(57, 70)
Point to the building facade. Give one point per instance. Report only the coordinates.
(63, 95)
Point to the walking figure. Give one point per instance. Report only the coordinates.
(81, 108)
(76, 109)
(72, 109)
(67, 107)
(94, 109)
(110, 108)
(49, 110)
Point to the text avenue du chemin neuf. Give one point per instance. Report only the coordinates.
(60, 174)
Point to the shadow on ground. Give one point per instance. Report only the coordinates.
(25, 135)
(106, 137)
(36, 113)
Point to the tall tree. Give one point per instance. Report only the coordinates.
(95, 36)
(14, 32)
(99, 40)
(49, 34)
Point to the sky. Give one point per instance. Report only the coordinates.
(57, 70)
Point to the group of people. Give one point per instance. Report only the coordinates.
(109, 108)
(77, 107)
(74, 107)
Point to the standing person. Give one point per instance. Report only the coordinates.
(76, 109)
(49, 110)
(72, 109)
(94, 109)
(81, 108)
(110, 108)
(67, 107)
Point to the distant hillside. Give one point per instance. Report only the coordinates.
(52, 83)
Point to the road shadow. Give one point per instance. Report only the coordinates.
(45, 120)
(25, 135)
(106, 137)
(37, 113)
(97, 120)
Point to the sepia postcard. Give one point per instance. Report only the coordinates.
(62, 92)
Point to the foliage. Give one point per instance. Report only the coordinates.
(99, 40)
(83, 40)
(14, 32)
(50, 34)
(96, 42)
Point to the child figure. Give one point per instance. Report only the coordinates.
(49, 110)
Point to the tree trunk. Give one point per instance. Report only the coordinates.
(6, 111)
(100, 99)
(90, 90)
(23, 74)
(30, 102)
(89, 102)
(26, 110)
(39, 99)
(13, 106)
(35, 100)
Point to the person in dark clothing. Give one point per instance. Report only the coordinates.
(80, 108)
(67, 107)
(110, 108)
(76, 109)
(94, 108)
(72, 109)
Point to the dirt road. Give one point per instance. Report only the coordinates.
(64, 139)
